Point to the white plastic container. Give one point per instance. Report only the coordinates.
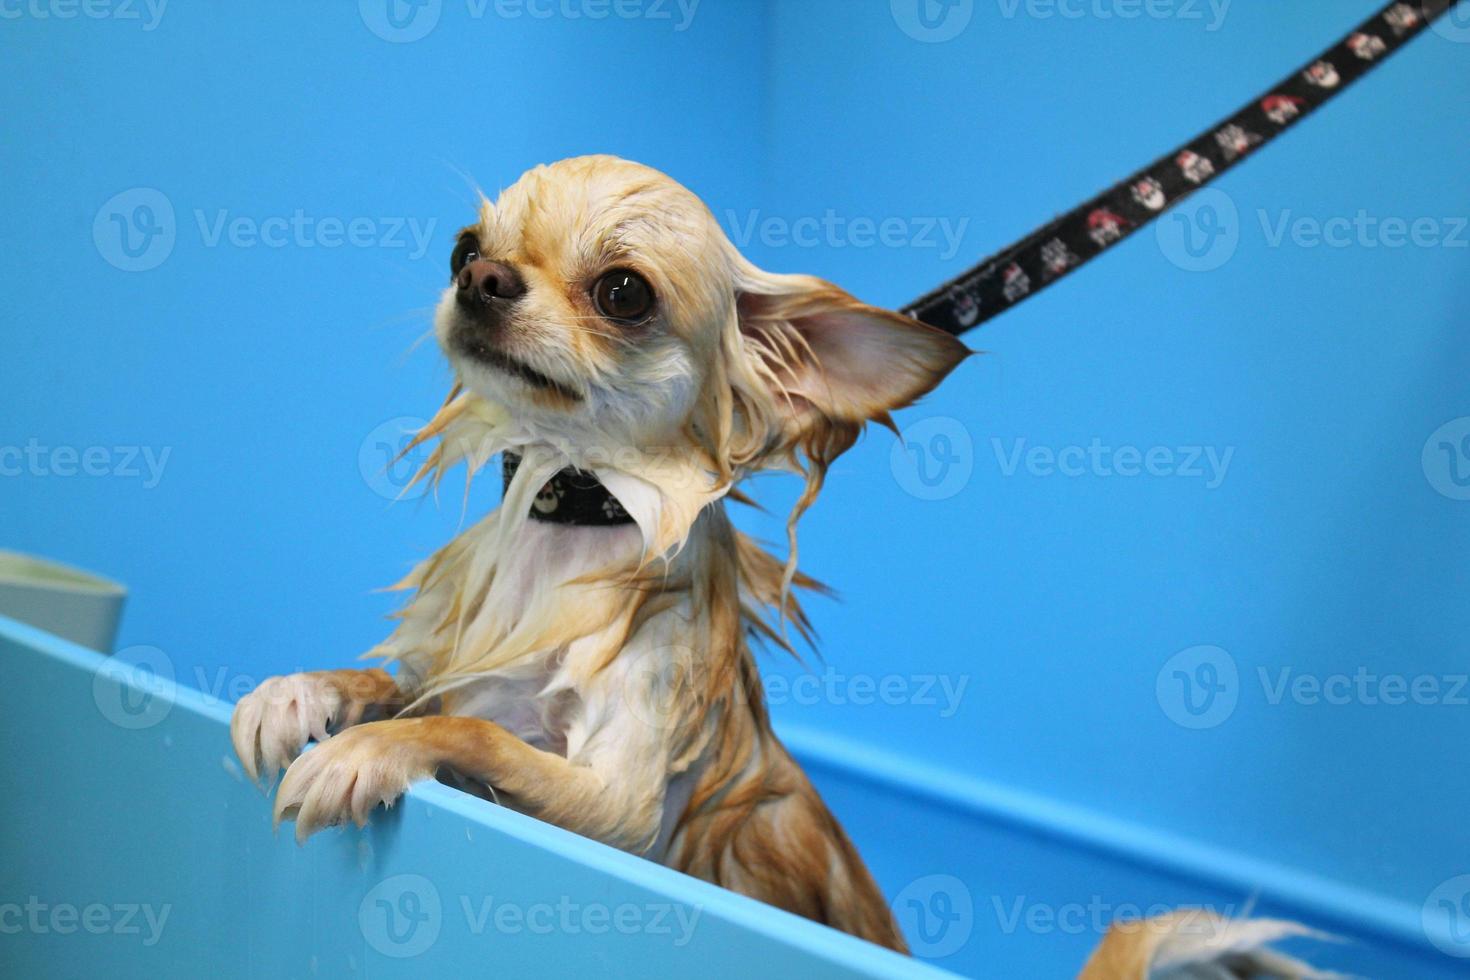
(80, 606)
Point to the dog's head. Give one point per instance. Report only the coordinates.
(600, 303)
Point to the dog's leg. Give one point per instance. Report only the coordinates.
(770, 836)
(350, 774)
(272, 724)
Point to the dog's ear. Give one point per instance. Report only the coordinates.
(821, 350)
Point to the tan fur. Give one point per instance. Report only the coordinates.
(601, 678)
(1194, 943)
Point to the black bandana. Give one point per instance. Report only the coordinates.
(571, 496)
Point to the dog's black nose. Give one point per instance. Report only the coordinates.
(481, 282)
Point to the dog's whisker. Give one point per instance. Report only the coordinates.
(396, 319)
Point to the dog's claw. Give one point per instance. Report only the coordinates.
(346, 777)
(244, 726)
(272, 724)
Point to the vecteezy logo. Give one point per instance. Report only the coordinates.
(932, 21)
(387, 464)
(1446, 459)
(937, 914)
(655, 682)
(135, 231)
(401, 916)
(1202, 234)
(933, 459)
(1198, 687)
(1445, 917)
(134, 687)
(1454, 24)
(400, 21)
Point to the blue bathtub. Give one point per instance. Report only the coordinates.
(135, 847)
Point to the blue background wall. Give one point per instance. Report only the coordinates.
(271, 375)
(1325, 550)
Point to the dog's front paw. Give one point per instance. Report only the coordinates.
(272, 724)
(347, 776)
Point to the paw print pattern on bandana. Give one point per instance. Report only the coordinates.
(571, 496)
(548, 498)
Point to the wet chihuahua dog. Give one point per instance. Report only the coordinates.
(581, 653)
(596, 673)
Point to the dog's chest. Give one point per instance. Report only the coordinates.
(520, 702)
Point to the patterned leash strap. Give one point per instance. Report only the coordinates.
(1012, 275)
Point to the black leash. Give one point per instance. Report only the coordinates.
(1012, 275)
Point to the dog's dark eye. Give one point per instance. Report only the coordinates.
(465, 252)
(623, 296)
